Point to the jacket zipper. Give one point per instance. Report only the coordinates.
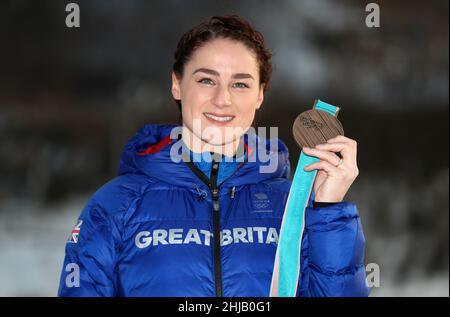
(216, 224)
(212, 185)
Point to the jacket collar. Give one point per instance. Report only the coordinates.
(152, 152)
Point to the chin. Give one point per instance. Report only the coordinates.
(215, 142)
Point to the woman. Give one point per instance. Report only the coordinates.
(152, 230)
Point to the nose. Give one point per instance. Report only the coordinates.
(222, 97)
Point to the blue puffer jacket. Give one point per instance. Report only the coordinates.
(151, 231)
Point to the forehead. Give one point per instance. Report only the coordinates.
(224, 55)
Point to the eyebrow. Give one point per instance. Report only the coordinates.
(214, 73)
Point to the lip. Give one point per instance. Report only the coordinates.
(219, 115)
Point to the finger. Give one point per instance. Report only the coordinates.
(322, 165)
(342, 139)
(328, 156)
(348, 153)
(320, 178)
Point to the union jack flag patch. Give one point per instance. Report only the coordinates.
(73, 238)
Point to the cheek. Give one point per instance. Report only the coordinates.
(248, 108)
(245, 119)
(197, 95)
(191, 103)
(249, 117)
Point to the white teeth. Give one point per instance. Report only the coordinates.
(221, 119)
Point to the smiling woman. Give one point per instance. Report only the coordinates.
(208, 225)
(221, 71)
(220, 87)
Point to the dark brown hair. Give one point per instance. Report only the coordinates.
(230, 27)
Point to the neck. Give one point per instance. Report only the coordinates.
(197, 145)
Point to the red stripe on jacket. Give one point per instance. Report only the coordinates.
(155, 148)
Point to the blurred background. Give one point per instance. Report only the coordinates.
(71, 97)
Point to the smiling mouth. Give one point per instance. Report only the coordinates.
(218, 118)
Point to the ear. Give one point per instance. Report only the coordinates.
(260, 96)
(175, 87)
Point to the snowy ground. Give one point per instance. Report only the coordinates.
(32, 240)
(422, 286)
(32, 246)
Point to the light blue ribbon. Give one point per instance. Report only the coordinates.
(287, 261)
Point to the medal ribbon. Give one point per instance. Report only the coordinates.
(286, 271)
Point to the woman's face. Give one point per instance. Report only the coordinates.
(219, 91)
